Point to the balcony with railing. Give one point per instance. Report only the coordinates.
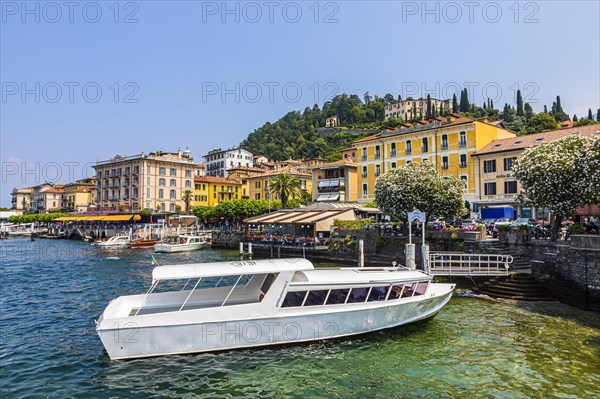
(463, 165)
(364, 158)
(408, 151)
(377, 155)
(462, 143)
(444, 146)
(393, 153)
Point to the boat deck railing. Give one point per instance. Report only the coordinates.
(461, 264)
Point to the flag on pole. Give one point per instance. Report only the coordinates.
(154, 262)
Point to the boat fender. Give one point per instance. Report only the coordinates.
(261, 297)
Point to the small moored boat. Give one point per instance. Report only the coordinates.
(229, 305)
(116, 241)
(181, 243)
(143, 243)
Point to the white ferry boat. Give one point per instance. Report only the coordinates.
(180, 243)
(229, 305)
(116, 241)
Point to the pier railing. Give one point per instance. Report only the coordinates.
(461, 264)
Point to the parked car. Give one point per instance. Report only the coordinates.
(457, 223)
(435, 222)
(524, 222)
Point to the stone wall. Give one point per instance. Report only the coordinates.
(570, 270)
(227, 239)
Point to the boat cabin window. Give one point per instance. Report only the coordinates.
(396, 291)
(316, 297)
(337, 296)
(421, 288)
(353, 295)
(294, 299)
(267, 283)
(378, 294)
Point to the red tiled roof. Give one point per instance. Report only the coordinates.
(532, 140)
(214, 179)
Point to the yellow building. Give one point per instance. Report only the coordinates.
(210, 190)
(448, 142)
(241, 175)
(258, 185)
(494, 163)
(335, 182)
(79, 196)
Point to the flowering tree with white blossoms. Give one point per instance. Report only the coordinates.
(561, 175)
(420, 186)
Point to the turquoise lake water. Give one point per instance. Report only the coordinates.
(51, 291)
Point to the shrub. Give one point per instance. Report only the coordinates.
(576, 229)
(359, 224)
(504, 227)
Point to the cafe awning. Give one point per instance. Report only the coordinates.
(117, 218)
(328, 197)
(322, 219)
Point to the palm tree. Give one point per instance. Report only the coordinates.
(284, 185)
(187, 198)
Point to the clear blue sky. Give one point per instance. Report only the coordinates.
(173, 59)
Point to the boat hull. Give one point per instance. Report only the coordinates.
(132, 340)
(166, 248)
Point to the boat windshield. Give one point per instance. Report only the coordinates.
(207, 292)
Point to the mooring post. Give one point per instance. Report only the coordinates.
(361, 253)
(250, 250)
(241, 250)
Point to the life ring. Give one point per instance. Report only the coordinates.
(261, 297)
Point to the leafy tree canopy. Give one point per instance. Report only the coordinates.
(419, 185)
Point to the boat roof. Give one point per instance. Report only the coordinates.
(218, 269)
(356, 275)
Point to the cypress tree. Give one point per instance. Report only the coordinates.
(545, 109)
(558, 106)
(598, 115)
(454, 104)
(491, 103)
(428, 111)
(528, 111)
(575, 118)
(590, 116)
(464, 101)
(520, 111)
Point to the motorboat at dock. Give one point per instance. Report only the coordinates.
(230, 305)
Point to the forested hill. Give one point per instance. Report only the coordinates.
(295, 134)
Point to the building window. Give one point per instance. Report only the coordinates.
(172, 207)
(162, 182)
(365, 173)
(408, 147)
(490, 188)
(463, 160)
(462, 141)
(257, 184)
(445, 164)
(377, 170)
(425, 145)
(257, 196)
(188, 173)
(444, 142)
(508, 163)
(465, 180)
(393, 165)
(365, 189)
(161, 193)
(162, 171)
(393, 150)
(188, 184)
(510, 187)
(172, 194)
(489, 166)
(377, 152)
(173, 172)
(364, 154)
(197, 187)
